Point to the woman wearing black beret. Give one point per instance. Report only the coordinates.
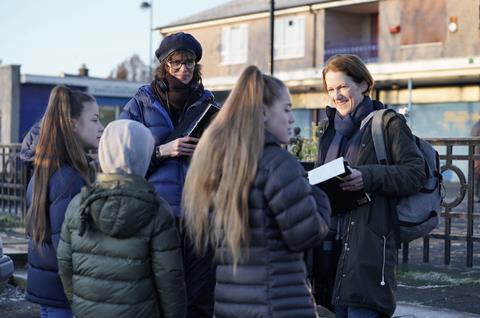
(175, 95)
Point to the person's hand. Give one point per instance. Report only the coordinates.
(352, 182)
(184, 146)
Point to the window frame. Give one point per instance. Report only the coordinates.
(297, 49)
(226, 55)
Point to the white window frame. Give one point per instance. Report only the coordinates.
(234, 44)
(289, 37)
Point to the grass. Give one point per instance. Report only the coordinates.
(438, 277)
(8, 221)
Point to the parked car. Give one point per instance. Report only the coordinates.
(6, 267)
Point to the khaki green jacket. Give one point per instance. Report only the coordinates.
(128, 262)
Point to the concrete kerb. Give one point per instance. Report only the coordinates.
(408, 310)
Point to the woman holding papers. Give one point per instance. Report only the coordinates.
(175, 96)
(365, 279)
(249, 199)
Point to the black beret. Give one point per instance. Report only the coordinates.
(176, 42)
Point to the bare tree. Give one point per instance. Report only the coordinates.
(132, 69)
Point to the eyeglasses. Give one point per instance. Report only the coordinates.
(176, 65)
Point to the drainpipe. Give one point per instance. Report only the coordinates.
(272, 35)
(409, 105)
(314, 49)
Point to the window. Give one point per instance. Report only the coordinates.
(290, 37)
(423, 21)
(234, 44)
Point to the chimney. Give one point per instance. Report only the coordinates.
(83, 70)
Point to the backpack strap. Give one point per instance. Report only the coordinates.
(378, 138)
(379, 123)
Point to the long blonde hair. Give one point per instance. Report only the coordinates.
(58, 143)
(224, 165)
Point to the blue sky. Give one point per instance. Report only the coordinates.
(48, 37)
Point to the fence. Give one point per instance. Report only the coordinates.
(453, 153)
(458, 208)
(13, 181)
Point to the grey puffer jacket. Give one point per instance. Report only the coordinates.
(128, 263)
(286, 218)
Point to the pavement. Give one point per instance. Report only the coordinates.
(407, 310)
(425, 290)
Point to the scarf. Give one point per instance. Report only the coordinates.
(177, 97)
(347, 138)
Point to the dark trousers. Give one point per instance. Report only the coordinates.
(324, 269)
(199, 279)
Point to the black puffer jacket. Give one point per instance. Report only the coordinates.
(286, 218)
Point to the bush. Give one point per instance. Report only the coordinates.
(305, 149)
(8, 221)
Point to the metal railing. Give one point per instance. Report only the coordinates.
(13, 181)
(14, 175)
(459, 208)
(366, 50)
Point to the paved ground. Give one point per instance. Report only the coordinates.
(406, 310)
(14, 305)
(440, 288)
(424, 290)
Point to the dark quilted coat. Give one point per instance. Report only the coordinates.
(44, 286)
(286, 218)
(128, 263)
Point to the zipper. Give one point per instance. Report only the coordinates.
(345, 249)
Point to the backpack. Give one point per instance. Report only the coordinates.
(419, 213)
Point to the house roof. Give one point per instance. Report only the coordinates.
(238, 8)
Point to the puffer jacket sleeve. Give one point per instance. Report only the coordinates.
(301, 215)
(131, 110)
(406, 175)
(168, 265)
(27, 151)
(64, 250)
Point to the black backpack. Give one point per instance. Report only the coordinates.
(419, 213)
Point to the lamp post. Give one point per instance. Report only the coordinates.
(148, 5)
(272, 35)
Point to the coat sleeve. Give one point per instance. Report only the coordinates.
(407, 173)
(131, 111)
(167, 265)
(64, 252)
(301, 214)
(27, 151)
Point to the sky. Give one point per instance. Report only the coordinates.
(48, 37)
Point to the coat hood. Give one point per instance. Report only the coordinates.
(118, 205)
(126, 147)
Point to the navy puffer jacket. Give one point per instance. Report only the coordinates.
(287, 217)
(168, 175)
(27, 152)
(44, 286)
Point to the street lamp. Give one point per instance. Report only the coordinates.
(272, 36)
(146, 5)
